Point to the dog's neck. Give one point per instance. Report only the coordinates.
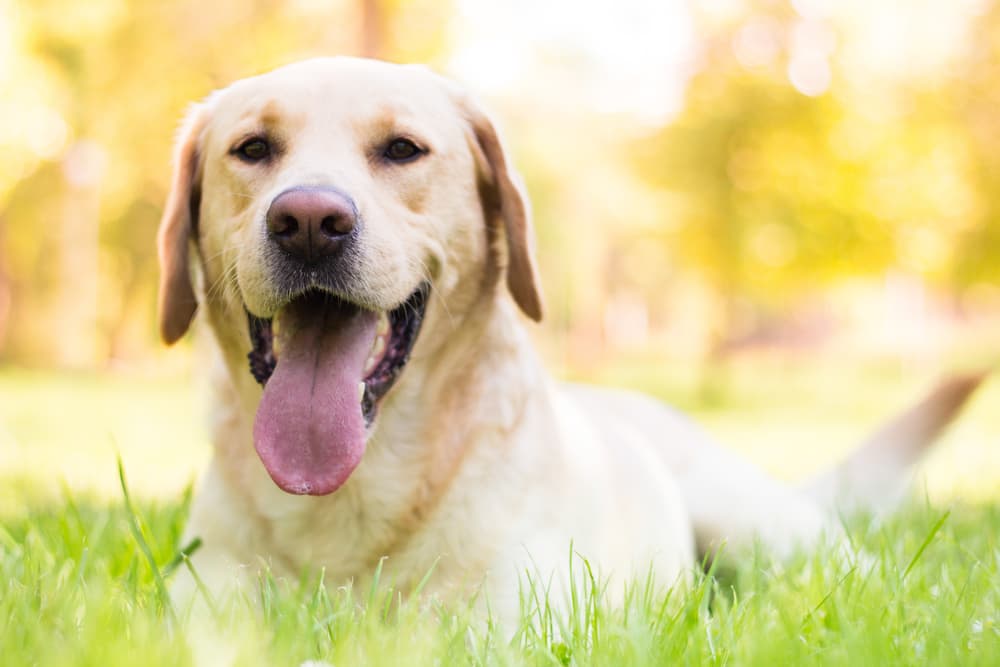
(489, 355)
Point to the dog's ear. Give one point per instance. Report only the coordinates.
(177, 302)
(506, 199)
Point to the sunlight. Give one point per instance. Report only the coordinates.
(633, 57)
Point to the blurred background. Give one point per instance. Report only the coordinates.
(783, 216)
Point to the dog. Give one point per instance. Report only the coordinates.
(362, 252)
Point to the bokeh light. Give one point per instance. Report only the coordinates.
(713, 182)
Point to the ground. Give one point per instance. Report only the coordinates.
(82, 566)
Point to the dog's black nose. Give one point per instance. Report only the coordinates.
(311, 223)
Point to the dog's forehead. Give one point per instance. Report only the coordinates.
(344, 91)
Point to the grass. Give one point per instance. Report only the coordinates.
(77, 589)
(82, 566)
(67, 428)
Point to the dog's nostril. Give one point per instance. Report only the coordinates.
(286, 226)
(333, 225)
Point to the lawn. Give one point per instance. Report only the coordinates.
(82, 569)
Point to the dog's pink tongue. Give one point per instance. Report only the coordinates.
(310, 431)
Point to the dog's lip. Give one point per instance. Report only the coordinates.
(403, 325)
(269, 307)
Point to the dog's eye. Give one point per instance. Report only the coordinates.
(402, 150)
(254, 150)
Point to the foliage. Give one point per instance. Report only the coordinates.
(793, 165)
(98, 89)
(785, 191)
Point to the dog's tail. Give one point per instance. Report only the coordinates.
(874, 475)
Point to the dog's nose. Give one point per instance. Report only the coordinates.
(311, 223)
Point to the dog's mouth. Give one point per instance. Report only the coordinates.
(325, 364)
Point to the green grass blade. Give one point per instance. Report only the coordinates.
(136, 528)
(927, 540)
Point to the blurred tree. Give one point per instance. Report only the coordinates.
(795, 173)
(96, 89)
(974, 106)
(789, 168)
(4, 289)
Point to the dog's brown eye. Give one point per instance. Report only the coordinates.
(254, 150)
(402, 150)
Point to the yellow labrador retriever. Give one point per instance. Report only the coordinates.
(360, 247)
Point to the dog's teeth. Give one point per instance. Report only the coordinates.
(383, 324)
(361, 391)
(378, 349)
(275, 338)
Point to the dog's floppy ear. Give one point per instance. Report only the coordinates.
(177, 302)
(508, 201)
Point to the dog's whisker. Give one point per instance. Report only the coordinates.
(225, 280)
(234, 193)
(438, 295)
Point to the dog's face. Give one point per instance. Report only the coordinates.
(330, 201)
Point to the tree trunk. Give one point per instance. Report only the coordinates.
(5, 291)
(372, 29)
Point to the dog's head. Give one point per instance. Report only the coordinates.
(329, 202)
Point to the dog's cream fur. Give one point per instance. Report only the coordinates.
(479, 466)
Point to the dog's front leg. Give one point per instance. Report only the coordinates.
(217, 569)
